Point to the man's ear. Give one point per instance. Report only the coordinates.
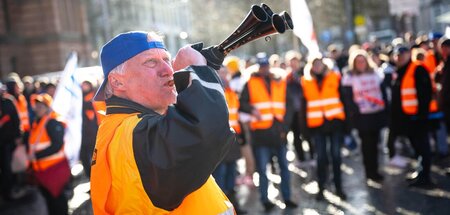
(116, 82)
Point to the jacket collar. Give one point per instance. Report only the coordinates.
(117, 105)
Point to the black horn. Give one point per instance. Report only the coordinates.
(274, 25)
(259, 22)
(287, 20)
(255, 16)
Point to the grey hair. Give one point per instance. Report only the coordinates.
(120, 69)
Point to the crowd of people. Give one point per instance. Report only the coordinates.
(28, 122)
(331, 100)
(328, 101)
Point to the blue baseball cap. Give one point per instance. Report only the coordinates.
(121, 48)
(435, 35)
(262, 59)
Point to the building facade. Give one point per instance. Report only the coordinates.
(37, 36)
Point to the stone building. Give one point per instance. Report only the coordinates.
(37, 36)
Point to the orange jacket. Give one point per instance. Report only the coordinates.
(269, 106)
(233, 106)
(324, 102)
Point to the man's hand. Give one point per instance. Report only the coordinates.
(256, 114)
(213, 56)
(187, 56)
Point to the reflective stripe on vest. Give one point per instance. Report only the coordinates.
(39, 140)
(322, 103)
(233, 106)
(269, 106)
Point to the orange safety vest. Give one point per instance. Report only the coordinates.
(33, 99)
(430, 62)
(39, 140)
(410, 104)
(269, 106)
(233, 107)
(116, 186)
(99, 108)
(324, 102)
(22, 111)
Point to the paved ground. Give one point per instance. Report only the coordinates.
(392, 196)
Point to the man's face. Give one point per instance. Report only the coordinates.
(40, 109)
(28, 85)
(317, 67)
(86, 87)
(294, 63)
(403, 58)
(264, 69)
(445, 51)
(149, 79)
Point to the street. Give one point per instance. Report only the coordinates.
(392, 196)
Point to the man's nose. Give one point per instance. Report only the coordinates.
(166, 69)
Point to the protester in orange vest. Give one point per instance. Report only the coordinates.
(265, 97)
(225, 173)
(365, 100)
(47, 149)
(164, 133)
(13, 86)
(11, 137)
(325, 118)
(90, 123)
(411, 96)
(437, 127)
(29, 91)
(236, 83)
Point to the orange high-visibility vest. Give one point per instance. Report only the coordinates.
(99, 108)
(324, 102)
(410, 104)
(233, 107)
(119, 190)
(430, 62)
(39, 140)
(269, 106)
(21, 106)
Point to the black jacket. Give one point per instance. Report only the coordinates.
(444, 94)
(10, 122)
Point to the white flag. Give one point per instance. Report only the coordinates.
(68, 103)
(303, 26)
